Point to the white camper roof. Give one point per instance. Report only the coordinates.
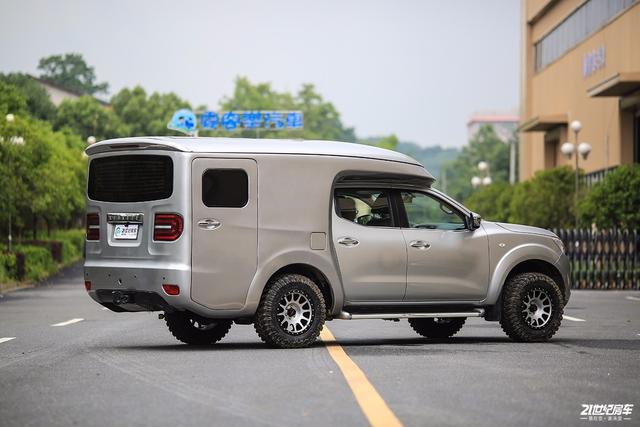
(249, 145)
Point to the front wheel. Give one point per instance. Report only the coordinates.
(531, 307)
(439, 327)
(291, 313)
(195, 330)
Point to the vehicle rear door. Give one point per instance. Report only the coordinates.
(371, 251)
(225, 233)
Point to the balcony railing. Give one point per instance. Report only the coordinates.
(592, 178)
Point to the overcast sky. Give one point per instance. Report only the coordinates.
(414, 68)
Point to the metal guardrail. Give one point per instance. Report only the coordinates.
(602, 259)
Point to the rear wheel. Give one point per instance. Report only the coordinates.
(194, 330)
(291, 313)
(438, 327)
(531, 307)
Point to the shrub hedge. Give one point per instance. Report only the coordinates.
(39, 262)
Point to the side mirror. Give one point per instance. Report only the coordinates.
(474, 221)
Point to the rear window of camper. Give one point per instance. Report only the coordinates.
(130, 178)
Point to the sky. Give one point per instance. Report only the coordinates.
(416, 68)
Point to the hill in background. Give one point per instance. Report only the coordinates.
(430, 157)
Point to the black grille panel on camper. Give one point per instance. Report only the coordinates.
(130, 178)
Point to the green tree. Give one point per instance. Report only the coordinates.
(39, 104)
(146, 115)
(321, 119)
(615, 202)
(71, 72)
(87, 117)
(11, 101)
(547, 200)
(41, 179)
(492, 201)
(484, 146)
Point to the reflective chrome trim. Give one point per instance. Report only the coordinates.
(131, 218)
(348, 316)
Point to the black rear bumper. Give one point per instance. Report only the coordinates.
(123, 301)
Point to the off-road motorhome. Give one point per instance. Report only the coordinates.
(287, 234)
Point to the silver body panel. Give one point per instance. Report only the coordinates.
(375, 268)
(222, 274)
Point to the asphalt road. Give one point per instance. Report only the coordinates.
(126, 369)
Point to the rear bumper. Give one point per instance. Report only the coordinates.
(121, 301)
(142, 281)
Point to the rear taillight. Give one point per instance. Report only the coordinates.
(87, 285)
(167, 227)
(93, 226)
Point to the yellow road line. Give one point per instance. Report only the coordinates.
(370, 401)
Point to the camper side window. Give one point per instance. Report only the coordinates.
(367, 207)
(225, 188)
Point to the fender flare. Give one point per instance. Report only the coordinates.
(280, 260)
(517, 255)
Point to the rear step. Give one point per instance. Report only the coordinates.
(478, 312)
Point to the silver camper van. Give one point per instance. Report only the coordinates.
(288, 234)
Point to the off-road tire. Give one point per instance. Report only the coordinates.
(513, 320)
(268, 326)
(181, 326)
(432, 328)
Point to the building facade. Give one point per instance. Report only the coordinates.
(580, 61)
(57, 94)
(503, 124)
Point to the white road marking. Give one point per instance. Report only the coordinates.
(13, 338)
(573, 319)
(68, 322)
(633, 298)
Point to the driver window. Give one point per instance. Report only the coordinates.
(366, 207)
(424, 211)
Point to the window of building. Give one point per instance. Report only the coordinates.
(583, 22)
(424, 211)
(225, 188)
(367, 207)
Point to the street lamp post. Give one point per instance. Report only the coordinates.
(579, 150)
(477, 181)
(17, 140)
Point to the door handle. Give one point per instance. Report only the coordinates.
(420, 244)
(348, 241)
(209, 224)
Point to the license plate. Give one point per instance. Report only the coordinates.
(125, 231)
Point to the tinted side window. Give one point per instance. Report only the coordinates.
(225, 188)
(365, 207)
(424, 211)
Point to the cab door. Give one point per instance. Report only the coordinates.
(371, 252)
(445, 260)
(225, 231)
